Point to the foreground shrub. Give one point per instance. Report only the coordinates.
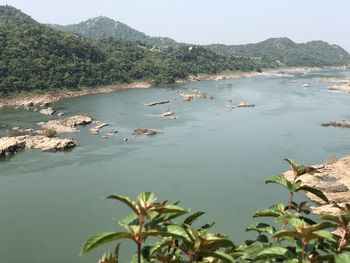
(292, 236)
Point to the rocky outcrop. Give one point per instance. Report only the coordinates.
(67, 124)
(333, 179)
(337, 123)
(11, 145)
(230, 106)
(156, 103)
(193, 94)
(339, 85)
(47, 111)
(98, 126)
(243, 104)
(167, 114)
(144, 131)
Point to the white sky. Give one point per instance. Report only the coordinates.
(204, 21)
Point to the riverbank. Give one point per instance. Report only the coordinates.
(54, 96)
(45, 98)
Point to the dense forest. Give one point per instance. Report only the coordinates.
(284, 52)
(103, 27)
(273, 52)
(34, 56)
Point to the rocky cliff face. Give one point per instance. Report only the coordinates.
(331, 178)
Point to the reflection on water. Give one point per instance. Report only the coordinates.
(210, 158)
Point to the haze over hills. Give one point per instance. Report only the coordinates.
(103, 27)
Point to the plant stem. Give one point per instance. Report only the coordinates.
(290, 201)
(303, 250)
(342, 240)
(139, 238)
(138, 252)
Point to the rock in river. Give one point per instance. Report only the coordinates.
(193, 94)
(337, 123)
(167, 113)
(98, 126)
(144, 131)
(243, 104)
(156, 103)
(11, 145)
(47, 111)
(67, 124)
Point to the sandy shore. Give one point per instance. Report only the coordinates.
(51, 97)
(47, 98)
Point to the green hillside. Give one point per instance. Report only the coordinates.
(36, 57)
(103, 27)
(284, 52)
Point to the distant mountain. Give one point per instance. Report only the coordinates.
(272, 52)
(103, 27)
(285, 52)
(10, 13)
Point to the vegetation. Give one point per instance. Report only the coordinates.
(293, 236)
(276, 52)
(273, 52)
(36, 57)
(103, 27)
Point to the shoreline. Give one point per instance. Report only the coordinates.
(45, 98)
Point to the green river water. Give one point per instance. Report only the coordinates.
(210, 158)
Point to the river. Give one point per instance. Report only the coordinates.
(210, 158)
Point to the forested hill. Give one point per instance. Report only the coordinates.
(103, 27)
(285, 52)
(272, 52)
(36, 57)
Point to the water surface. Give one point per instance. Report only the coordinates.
(210, 158)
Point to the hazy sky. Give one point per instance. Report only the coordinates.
(205, 22)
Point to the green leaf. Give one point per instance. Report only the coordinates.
(323, 225)
(193, 217)
(272, 252)
(102, 238)
(126, 200)
(261, 228)
(169, 209)
(128, 221)
(314, 191)
(178, 231)
(286, 233)
(216, 243)
(207, 225)
(278, 207)
(267, 213)
(281, 180)
(296, 222)
(146, 199)
(342, 258)
(294, 260)
(219, 255)
(325, 235)
(292, 163)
